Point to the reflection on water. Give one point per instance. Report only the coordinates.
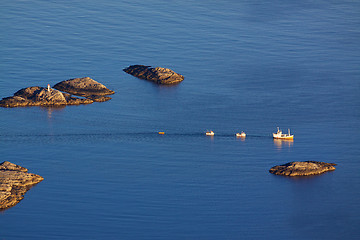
(240, 138)
(50, 110)
(279, 144)
(211, 138)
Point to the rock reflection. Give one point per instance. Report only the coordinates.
(51, 110)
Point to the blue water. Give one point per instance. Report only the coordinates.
(248, 65)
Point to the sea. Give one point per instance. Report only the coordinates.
(249, 66)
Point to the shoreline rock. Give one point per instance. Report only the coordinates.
(158, 75)
(15, 181)
(302, 168)
(85, 87)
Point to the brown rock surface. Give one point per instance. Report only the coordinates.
(39, 96)
(85, 87)
(302, 168)
(96, 98)
(158, 75)
(15, 181)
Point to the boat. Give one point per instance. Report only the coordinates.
(209, 133)
(242, 134)
(280, 135)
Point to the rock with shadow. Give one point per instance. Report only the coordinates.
(157, 75)
(48, 97)
(15, 181)
(39, 96)
(85, 87)
(302, 168)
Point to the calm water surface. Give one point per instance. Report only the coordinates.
(248, 65)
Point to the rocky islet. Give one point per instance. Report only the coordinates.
(15, 181)
(40, 96)
(91, 90)
(305, 168)
(85, 87)
(159, 75)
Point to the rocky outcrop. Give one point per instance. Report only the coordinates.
(85, 87)
(302, 168)
(39, 96)
(15, 181)
(158, 75)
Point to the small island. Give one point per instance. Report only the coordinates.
(49, 97)
(85, 87)
(15, 181)
(159, 75)
(40, 96)
(302, 168)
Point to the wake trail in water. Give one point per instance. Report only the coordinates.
(127, 134)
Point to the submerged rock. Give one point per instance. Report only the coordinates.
(39, 96)
(302, 168)
(15, 181)
(158, 75)
(85, 87)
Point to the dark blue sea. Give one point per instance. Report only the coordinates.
(249, 66)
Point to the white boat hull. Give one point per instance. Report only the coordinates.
(280, 135)
(241, 135)
(211, 133)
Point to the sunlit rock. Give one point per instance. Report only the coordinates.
(85, 87)
(302, 168)
(158, 75)
(15, 181)
(39, 96)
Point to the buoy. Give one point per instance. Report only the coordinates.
(161, 133)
